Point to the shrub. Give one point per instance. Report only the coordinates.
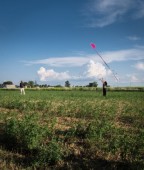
(49, 154)
(27, 133)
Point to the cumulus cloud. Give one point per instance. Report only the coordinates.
(134, 78)
(104, 12)
(51, 74)
(96, 70)
(92, 70)
(139, 66)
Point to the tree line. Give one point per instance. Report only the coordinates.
(32, 84)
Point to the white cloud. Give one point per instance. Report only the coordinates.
(51, 74)
(136, 54)
(134, 78)
(104, 12)
(92, 70)
(140, 11)
(133, 38)
(124, 55)
(61, 61)
(139, 66)
(96, 70)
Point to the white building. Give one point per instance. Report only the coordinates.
(10, 86)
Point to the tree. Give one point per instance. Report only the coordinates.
(31, 83)
(25, 83)
(93, 84)
(67, 84)
(1, 85)
(58, 85)
(7, 83)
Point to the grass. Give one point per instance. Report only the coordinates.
(71, 130)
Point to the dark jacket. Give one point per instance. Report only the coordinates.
(21, 85)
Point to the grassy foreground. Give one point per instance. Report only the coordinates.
(71, 130)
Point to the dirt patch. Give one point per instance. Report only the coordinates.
(65, 123)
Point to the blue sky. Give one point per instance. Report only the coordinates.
(48, 41)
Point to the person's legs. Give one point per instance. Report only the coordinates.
(104, 92)
(23, 91)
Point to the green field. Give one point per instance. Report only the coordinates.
(71, 130)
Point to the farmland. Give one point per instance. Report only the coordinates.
(71, 129)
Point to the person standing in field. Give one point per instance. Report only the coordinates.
(104, 87)
(22, 90)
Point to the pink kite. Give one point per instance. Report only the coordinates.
(93, 45)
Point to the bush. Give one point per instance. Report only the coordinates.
(51, 153)
(26, 133)
(28, 136)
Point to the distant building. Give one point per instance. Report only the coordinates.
(10, 86)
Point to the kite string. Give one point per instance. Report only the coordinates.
(106, 65)
(94, 46)
(103, 60)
